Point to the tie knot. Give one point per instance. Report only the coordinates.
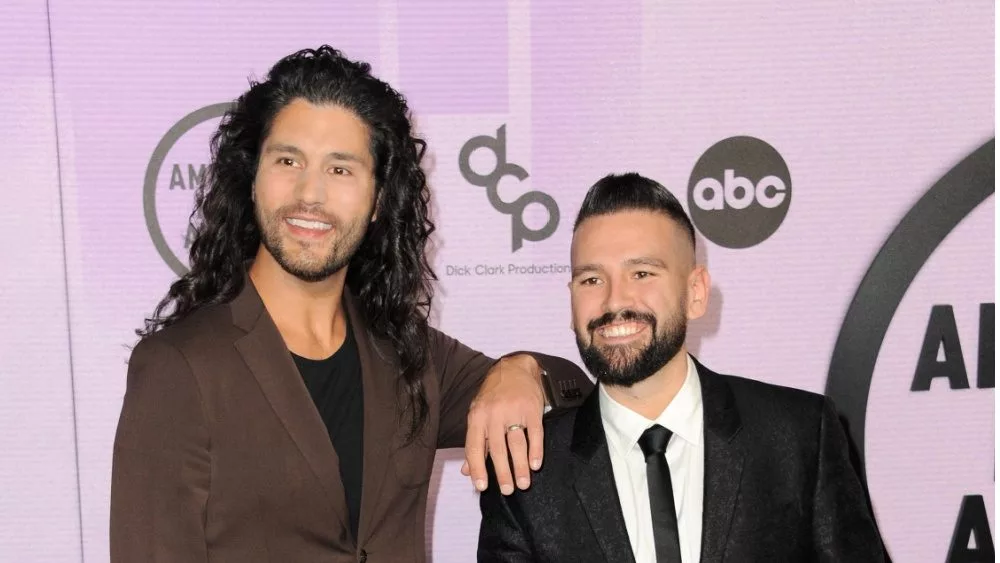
(654, 440)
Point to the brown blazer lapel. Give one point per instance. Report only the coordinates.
(266, 355)
(379, 376)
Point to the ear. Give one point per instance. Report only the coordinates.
(699, 284)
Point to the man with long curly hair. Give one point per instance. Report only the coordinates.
(287, 395)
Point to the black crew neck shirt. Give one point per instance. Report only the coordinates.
(335, 386)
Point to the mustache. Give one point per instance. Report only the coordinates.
(625, 315)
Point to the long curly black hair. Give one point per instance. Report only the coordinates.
(389, 273)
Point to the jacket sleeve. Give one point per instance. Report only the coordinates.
(501, 538)
(843, 527)
(161, 462)
(462, 371)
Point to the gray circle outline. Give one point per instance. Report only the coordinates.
(186, 123)
(924, 227)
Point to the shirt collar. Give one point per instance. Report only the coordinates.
(683, 416)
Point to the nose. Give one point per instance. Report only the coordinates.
(620, 295)
(311, 186)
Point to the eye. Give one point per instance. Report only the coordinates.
(642, 274)
(286, 161)
(340, 171)
(590, 281)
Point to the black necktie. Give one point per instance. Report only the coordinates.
(661, 494)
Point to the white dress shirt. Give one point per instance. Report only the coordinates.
(685, 456)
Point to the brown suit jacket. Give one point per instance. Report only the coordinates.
(222, 456)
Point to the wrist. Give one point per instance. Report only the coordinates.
(528, 362)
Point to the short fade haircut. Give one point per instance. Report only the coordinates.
(632, 192)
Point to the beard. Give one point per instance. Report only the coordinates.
(302, 263)
(624, 365)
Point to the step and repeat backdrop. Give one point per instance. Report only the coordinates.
(836, 157)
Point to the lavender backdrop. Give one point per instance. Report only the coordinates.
(868, 104)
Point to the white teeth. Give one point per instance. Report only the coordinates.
(619, 331)
(315, 225)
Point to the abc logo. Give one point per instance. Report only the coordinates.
(739, 192)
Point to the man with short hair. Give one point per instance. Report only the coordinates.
(668, 461)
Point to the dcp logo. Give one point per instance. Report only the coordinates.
(175, 170)
(739, 192)
(498, 146)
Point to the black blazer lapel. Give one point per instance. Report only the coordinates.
(594, 482)
(266, 355)
(723, 463)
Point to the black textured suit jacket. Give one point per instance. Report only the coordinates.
(779, 486)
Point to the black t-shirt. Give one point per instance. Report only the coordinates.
(335, 387)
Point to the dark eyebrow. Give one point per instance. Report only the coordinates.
(291, 149)
(346, 156)
(645, 261)
(281, 147)
(585, 268)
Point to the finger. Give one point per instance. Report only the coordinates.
(536, 440)
(498, 453)
(465, 469)
(475, 452)
(518, 447)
